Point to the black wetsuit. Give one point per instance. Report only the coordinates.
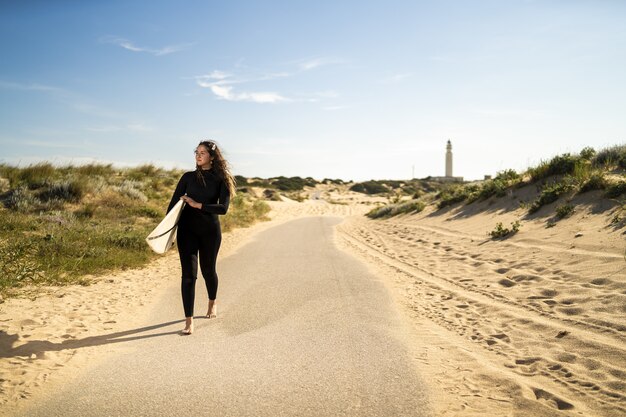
(199, 232)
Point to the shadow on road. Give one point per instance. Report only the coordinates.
(39, 347)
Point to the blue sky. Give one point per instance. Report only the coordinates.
(339, 89)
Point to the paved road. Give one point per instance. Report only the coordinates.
(305, 330)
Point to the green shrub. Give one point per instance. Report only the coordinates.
(501, 232)
(451, 195)
(271, 195)
(614, 156)
(21, 199)
(558, 165)
(242, 213)
(496, 187)
(35, 176)
(587, 153)
(595, 181)
(369, 187)
(17, 264)
(549, 194)
(260, 209)
(127, 239)
(413, 206)
(379, 212)
(564, 210)
(142, 172)
(508, 175)
(70, 191)
(293, 183)
(131, 189)
(616, 189)
(332, 181)
(92, 170)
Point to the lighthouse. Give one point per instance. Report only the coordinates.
(449, 159)
(449, 177)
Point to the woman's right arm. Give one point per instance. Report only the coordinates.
(181, 188)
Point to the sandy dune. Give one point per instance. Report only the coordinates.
(531, 326)
(524, 326)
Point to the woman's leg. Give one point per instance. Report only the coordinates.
(208, 251)
(188, 246)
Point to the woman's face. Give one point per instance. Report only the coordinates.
(203, 158)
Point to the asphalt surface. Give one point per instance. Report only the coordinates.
(304, 330)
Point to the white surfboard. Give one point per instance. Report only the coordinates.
(162, 238)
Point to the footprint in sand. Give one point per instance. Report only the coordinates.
(502, 336)
(571, 311)
(549, 293)
(552, 399)
(526, 361)
(601, 281)
(566, 357)
(527, 278)
(506, 283)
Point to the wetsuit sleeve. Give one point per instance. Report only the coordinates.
(181, 188)
(222, 205)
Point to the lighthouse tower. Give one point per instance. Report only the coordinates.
(449, 159)
(448, 177)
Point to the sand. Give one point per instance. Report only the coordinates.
(532, 325)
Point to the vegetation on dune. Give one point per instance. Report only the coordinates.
(562, 176)
(407, 207)
(501, 232)
(279, 183)
(413, 187)
(370, 187)
(333, 181)
(549, 194)
(59, 225)
(564, 210)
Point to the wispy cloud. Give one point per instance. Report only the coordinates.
(309, 64)
(226, 93)
(224, 85)
(126, 44)
(221, 84)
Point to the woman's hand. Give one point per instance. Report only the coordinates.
(193, 203)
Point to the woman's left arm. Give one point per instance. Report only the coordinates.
(222, 205)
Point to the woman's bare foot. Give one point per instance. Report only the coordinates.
(212, 312)
(188, 325)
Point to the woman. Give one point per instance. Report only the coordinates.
(207, 192)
